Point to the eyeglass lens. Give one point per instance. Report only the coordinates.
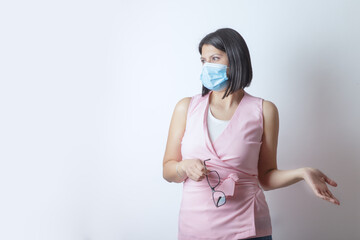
(213, 179)
(219, 198)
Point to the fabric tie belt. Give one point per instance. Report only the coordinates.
(228, 185)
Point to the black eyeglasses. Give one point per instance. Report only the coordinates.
(218, 196)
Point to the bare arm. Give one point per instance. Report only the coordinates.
(173, 146)
(269, 176)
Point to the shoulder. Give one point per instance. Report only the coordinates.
(263, 106)
(183, 104)
(269, 108)
(270, 115)
(187, 103)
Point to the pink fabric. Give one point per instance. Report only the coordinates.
(234, 155)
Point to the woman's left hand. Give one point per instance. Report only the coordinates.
(317, 181)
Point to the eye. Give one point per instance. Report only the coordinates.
(214, 59)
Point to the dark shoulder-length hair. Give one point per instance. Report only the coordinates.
(232, 43)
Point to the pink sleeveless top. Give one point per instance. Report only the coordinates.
(234, 155)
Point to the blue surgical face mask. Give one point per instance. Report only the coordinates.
(213, 76)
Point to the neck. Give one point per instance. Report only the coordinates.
(229, 101)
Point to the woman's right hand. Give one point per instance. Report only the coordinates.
(193, 168)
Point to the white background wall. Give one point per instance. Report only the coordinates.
(88, 89)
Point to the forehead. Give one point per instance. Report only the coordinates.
(208, 50)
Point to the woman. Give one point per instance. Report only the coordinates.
(222, 145)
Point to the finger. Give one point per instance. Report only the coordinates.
(206, 170)
(195, 178)
(330, 181)
(322, 178)
(189, 174)
(333, 197)
(325, 193)
(198, 171)
(194, 170)
(324, 197)
(192, 174)
(196, 174)
(201, 168)
(319, 194)
(330, 194)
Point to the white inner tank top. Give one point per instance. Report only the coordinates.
(215, 126)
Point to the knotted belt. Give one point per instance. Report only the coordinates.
(228, 185)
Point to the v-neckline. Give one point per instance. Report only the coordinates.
(228, 125)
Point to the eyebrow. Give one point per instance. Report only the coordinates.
(213, 55)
